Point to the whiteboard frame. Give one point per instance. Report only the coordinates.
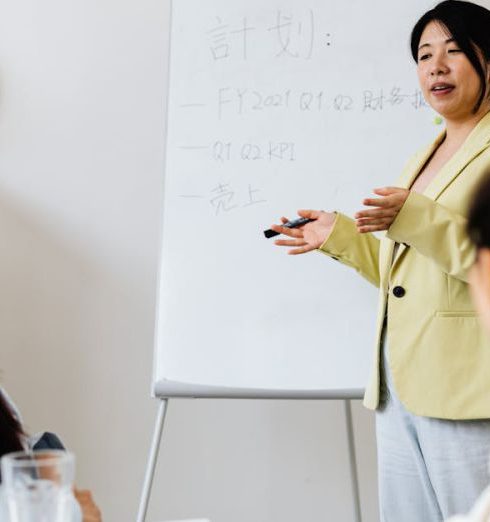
(166, 388)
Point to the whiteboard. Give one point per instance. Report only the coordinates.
(276, 106)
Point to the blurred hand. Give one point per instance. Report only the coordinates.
(385, 211)
(90, 511)
(308, 237)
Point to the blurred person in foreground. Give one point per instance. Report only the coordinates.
(479, 277)
(13, 438)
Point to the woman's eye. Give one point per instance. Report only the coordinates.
(454, 50)
(424, 57)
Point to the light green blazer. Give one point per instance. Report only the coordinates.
(438, 354)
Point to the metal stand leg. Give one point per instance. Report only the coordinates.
(352, 461)
(152, 460)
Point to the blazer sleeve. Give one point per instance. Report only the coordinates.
(358, 251)
(435, 232)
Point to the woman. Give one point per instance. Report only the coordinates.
(430, 380)
(13, 438)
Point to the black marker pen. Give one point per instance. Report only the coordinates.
(290, 224)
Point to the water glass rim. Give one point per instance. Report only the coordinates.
(20, 459)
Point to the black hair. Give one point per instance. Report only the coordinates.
(11, 432)
(469, 25)
(479, 216)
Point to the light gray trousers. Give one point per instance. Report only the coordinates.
(428, 469)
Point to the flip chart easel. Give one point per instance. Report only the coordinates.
(274, 106)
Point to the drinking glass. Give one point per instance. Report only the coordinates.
(38, 485)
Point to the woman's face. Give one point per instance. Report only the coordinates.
(480, 285)
(449, 82)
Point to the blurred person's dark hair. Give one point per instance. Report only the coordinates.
(479, 216)
(11, 432)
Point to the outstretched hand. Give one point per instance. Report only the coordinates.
(90, 510)
(307, 237)
(385, 209)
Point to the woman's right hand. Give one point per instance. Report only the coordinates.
(308, 237)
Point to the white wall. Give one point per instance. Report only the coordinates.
(82, 90)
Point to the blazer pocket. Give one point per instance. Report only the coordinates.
(456, 313)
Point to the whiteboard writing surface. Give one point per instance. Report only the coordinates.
(276, 106)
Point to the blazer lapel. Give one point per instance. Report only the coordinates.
(476, 142)
(386, 257)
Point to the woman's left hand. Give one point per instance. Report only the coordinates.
(90, 510)
(386, 209)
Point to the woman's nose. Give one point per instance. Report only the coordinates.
(438, 66)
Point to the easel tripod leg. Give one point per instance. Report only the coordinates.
(152, 460)
(352, 461)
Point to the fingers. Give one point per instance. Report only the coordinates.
(385, 221)
(85, 494)
(377, 213)
(301, 246)
(295, 232)
(386, 191)
(90, 510)
(291, 232)
(372, 228)
(385, 202)
(301, 250)
(298, 241)
(310, 214)
(373, 225)
(392, 196)
(290, 242)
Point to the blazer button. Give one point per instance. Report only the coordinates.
(398, 291)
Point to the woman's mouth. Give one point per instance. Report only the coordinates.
(441, 89)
